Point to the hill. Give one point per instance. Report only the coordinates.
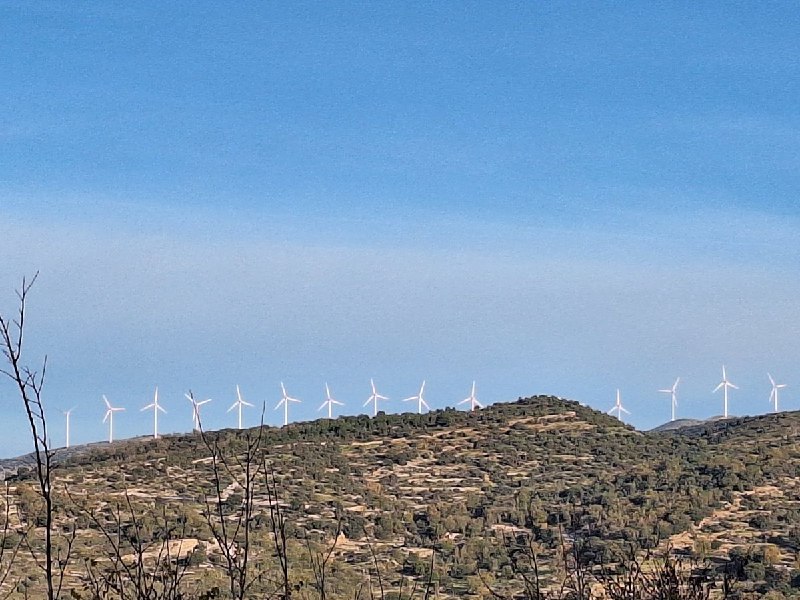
(448, 497)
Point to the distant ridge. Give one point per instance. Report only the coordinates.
(694, 426)
(9, 466)
(678, 424)
(734, 425)
(684, 423)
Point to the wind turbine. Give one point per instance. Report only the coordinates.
(329, 402)
(196, 409)
(110, 418)
(725, 384)
(239, 403)
(67, 413)
(156, 407)
(420, 400)
(473, 400)
(673, 391)
(374, 399)
(285, 402)
(618, 408)
(773, 396)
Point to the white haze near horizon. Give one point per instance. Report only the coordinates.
(207, 301)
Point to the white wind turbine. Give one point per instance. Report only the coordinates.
(110, 418)
(285, 402)
(472, 399)
(673, 391)
(66, 414)
(239, 404)
(196, 409)
(374, 398)
(329, 402)
(420, 400)
(773, 396)
(725, 384)
(618, 408)
(156, 407)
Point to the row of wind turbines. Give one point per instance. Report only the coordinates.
(374, 399)
(724, 385)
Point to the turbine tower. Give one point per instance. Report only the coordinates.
(472, 399)
(725, 384)
(329, 402)
(374, 398)
(66, 414)
(110, 418)
(285, 402)
(773, 396)
(196, 409)
(156, 407)
(239, 404)
(673, 391)
(420, 400)
(618, 408)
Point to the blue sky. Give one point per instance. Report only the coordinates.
(564, 199)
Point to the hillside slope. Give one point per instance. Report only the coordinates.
(396, 488)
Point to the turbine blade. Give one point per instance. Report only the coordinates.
(716, 389)
(733, 386)
(234, 405)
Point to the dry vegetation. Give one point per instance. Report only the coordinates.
(390, 494)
